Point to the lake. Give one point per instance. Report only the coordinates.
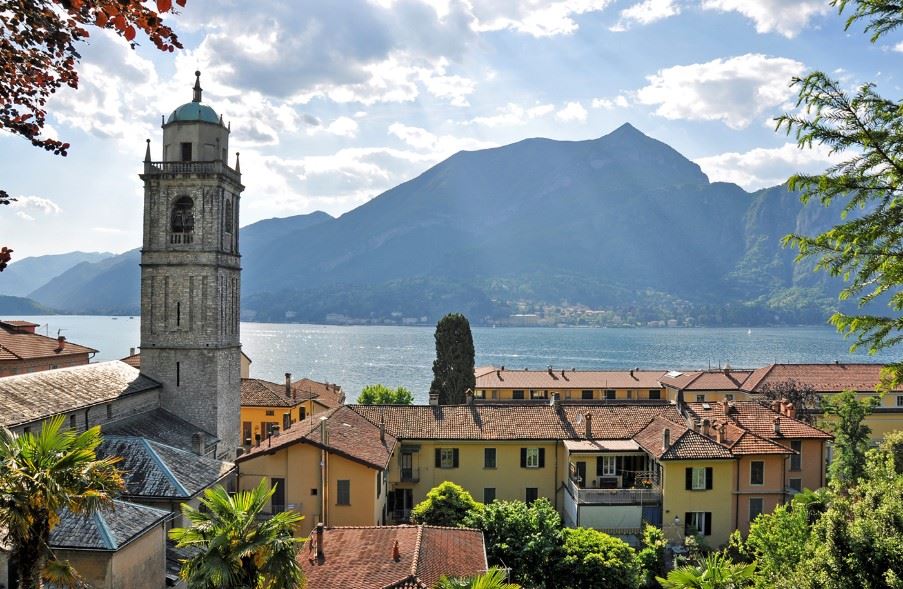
(355, 356)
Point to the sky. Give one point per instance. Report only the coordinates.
(332, 103)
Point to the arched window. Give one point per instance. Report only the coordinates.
(227, 222)
(182, 221)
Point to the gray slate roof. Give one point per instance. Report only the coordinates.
(25, 398)
(107, 529)
(154, 470)
(161, 426)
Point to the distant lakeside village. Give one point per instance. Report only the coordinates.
(696, 454)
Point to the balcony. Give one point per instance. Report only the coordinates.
(633, 496)
(410, 475)
(194, 168)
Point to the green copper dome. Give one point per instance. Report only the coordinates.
(193, 111)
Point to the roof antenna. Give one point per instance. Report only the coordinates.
(197, 86)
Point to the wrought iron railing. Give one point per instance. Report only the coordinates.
(215, 167)
(643, 496)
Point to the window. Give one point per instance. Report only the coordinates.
(72, 421)
(655, 394)
(489, 458)
(531, 495)
(488, 494)
(795, 484)
(756, 472)
(186, 152)
(227, 220)
(586, 395)
(246, 433)
(314, 491)
(698, 522)
(302, 413)
(178, 373)
(446, 458)
(607, 466)
(630, 394)
(699, 478)
(286, 421)
(517, 394)
(270, 412)
(755, 508)
(178, 314)
(728, 396)
(109, 411)
(796, 460)
(479, 394)
(537, 394)
(700, 398)
(532, 457)
(181, 222)
(899, 400)
(609, 394)
(343, 492)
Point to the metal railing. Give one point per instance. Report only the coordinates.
(616, 496)
(410, 475)
(214, 167)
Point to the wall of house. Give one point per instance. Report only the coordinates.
(11, 367)
(719, 500)
(245, 369)
(141, 564)
(507, 394)
(95, 567)
(99, 414)
(509, 480)
(771, 491)
(258, 415)
(812, 464)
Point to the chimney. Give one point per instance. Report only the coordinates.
(288, 384)
(197, 443)
(589, 425)
(498, 374)
(320, 555)
(131, 351)
(554, 401)
(434, 398)
(776, 422)
(382, 429)
(60, 343)
(468, 397)
(631, 373)
(791, 410)
(725, 406)
(776, 406)
(552, 374)
(396, 553)
(705, 428)
(719, 432)
(666, 439)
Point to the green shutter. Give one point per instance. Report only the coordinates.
(689, 476)
(708, 477)
(708, 524)
(455, 458)
(542, 458)
(523, 458)
(438, 458)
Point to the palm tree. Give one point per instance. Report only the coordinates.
(40, 474)
(237, 547)
(494, 578)
(715, 572)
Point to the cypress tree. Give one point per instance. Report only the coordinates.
(453, 367)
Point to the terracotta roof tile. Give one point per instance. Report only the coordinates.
(758, 419)
(134, 360)
(707, 380)
(362, 557)
(256, 392)
(685, 444)
(348, 434)
(824, 378)
(29, 397)
(17, 343)
(567, 379)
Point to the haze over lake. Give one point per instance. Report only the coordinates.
(402, 356)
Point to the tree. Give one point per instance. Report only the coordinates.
(651, 556)
(523, 537)
(716, 571)
(851, 437)
(453, 368)
(236, 547)
(866, 247)
(377, 394)
(590, 559)
(777, 541)
(447, 504)
(40, 474)
(803, 396)
(494, 578)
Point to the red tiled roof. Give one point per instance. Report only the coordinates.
(134, 360)
(347, 434)
(362, 557)
(824, 378)
(256, 392)
(16, 344)
(685, 444)
(758, 419)
(328, 394)
(707, 380)
(567, 379)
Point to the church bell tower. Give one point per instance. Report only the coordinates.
(191, 273)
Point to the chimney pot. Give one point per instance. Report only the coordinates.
(197, 443)
(666, 439)
(434, 398)
(396, 553)
(777, 426)
(589, 425)
(705, 428)
(131, 351)
(791, 410)
(60, 343)
(321, 556)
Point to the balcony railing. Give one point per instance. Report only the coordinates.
(646, 496)
(410, 475)
(215, 167)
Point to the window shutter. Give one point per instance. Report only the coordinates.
(689, 476)
(542, 458)
(455, 458)
(438, 458)
(599, 466)
(523, 458)
(708, 524)
(708, 477)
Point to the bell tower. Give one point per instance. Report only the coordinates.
(191, 272)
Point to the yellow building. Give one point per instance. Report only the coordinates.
(330, 468)
(265, 404)
(501, 384)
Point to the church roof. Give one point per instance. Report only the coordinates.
(193, 111)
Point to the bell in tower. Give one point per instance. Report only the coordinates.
(191, 273)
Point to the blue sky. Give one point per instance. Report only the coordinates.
(331, 103)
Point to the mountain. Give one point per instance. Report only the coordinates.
(14, 307)
(623, 223)
(23, 276)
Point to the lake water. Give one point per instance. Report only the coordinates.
(402, 356)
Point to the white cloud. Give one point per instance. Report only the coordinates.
(28, 206)
(898, 47)
(571, 112)
(343, 127)
(765, 167)
(785, 17)
(439, 146)
(538, 18)
(645, 13)
(513, 114)
(24, 216)
(619, 101)
(735, 91)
